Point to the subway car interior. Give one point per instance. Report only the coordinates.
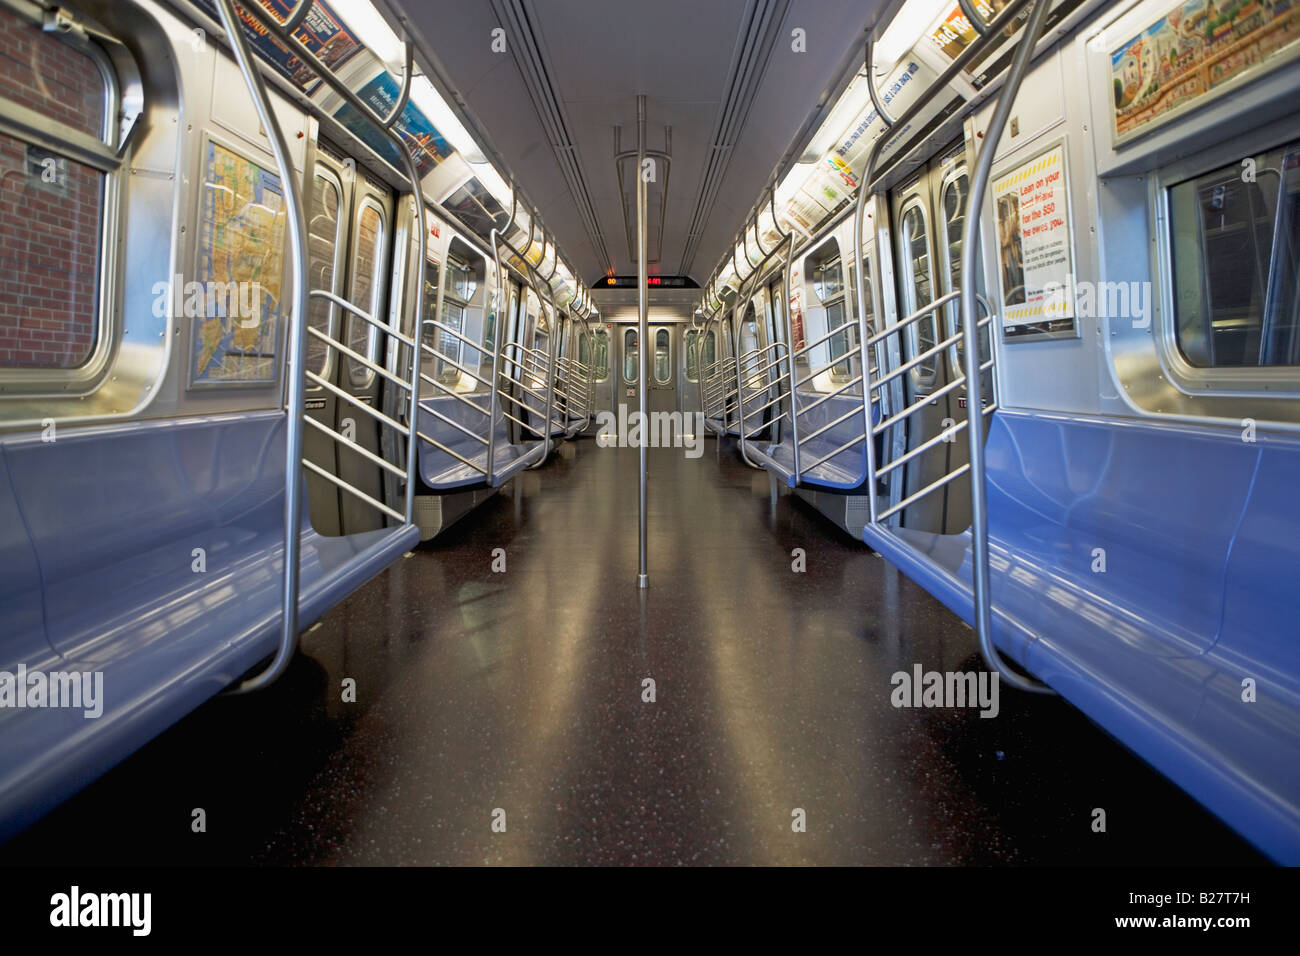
(539, 432)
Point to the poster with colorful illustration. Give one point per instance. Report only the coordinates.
(1193, 50)
(1035, 261)
(321, 32)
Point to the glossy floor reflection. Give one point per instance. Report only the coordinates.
(522, 692)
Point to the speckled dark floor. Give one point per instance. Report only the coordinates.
(522, 691)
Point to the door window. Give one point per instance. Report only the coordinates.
(367, 292)
(323, 235)
(663, 358)
(630, 356)
(922, 334)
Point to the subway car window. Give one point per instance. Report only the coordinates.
(828, 285)
(630, 358)
(920, 292)
(692, 355)
(367, 288)
(51, 205)
(663, 357)
(601, 363)
(324, 232)
(1236, 259)
(460, 289)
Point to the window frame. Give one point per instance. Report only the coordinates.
(630, 330)
(447, 296)
(693, 339)
(926, 374)
(334, 326)
(597, 334)
(32, 126)
(360, 376)
(668, 356)
(1257, 381)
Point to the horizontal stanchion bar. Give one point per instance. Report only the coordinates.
(916, 360)
(926, 399)
(827, 457)
(364, 452)
(829, 425)
(928, 489)
(358, 357)
(454, 454)
(454, 424)
(855, 380)
(454, 394)
(353, 400)
(373, 502)
(347, 306)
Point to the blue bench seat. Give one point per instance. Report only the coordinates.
(1200, 536)
(443, 472)
(844, 471)
(98, 538)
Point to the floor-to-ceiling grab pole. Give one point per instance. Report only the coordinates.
(297, 220)
(643, 320)
(974, 411)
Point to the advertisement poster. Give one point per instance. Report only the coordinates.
(956, 32)
(425, 142)
(322, 32)
(1195, 48)
(796, 317)
(1035, 263)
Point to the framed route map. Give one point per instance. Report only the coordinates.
(235, 302)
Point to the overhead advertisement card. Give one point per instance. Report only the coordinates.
(1035, 260)
(321, 32)
(426, 144)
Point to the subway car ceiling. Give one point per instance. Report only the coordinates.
(1003, 292)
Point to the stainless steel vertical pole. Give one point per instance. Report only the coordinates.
(643, 319)
(970, 334)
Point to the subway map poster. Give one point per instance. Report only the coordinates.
(235, 304)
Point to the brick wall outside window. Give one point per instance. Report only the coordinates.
(49, 231)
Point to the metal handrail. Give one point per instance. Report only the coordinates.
(360, 313)
(921, 357)
(827, 396)
(975, 198)
(427, 349)
(357, 357)
(924, 400)
(298, 321)
(443, 327)
(842, 329)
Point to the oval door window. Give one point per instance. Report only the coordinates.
(630, 358)
(663, 363)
